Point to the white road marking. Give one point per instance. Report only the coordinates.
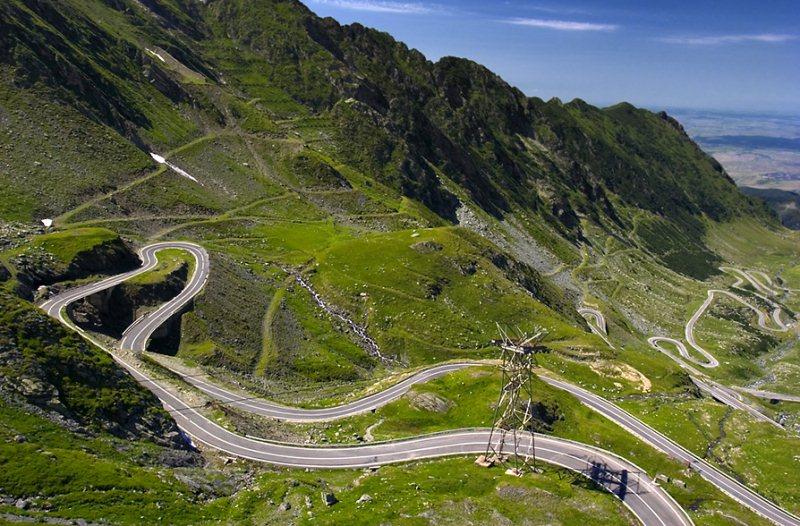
(456, 442)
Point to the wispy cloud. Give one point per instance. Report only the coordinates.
(561, 25)
(379, 6)
(728, 39)
(558, 9)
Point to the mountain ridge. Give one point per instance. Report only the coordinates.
(427, 113)
(353, 195)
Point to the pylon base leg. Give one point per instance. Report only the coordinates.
(484, 462)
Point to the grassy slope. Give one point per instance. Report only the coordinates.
(54, 157)
(169, 261)
(66, 245)
(271, 202)
(100, 478)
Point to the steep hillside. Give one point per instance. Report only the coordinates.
(394, 116)
(52, 372)
(426, 201)
(367, 213)
(785, 204)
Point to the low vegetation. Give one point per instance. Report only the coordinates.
(340, 179)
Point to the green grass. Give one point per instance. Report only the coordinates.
(761, 456)
(752, 245)
(783, 369)
(457, 491)
(284, 242)
(223, 328)
(169, 261)
(307, 342)
(101, 478)
(791, 277)
(87, 478)
(66, 244)
(426, 305)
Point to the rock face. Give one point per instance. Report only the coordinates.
(46, 369)
(112, 310)
(426, 247)
(426, 401)
(329, 499)
(36, 267)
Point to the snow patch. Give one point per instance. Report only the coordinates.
(160, 160)
(47, 223)
(159, 57)
(183, 173)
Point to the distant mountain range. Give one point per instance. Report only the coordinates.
(751, 142)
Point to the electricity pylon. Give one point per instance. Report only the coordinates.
(512, 433)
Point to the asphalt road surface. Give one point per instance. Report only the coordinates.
(648, 502)
(271, 409)
(726, 484)
(769, 395)
(597, 323)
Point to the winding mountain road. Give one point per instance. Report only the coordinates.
(597, 323)
(769, 395)
(650, 503)
(717, 391)
(710, 362)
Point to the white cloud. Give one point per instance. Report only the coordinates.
(379, 6)
(561, 25)
(728, 39)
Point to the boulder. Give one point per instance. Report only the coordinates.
(426, 401)
(427, 247)
(328, 498)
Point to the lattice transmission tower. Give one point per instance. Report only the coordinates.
(512, 435)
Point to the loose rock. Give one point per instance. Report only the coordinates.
(329, 499)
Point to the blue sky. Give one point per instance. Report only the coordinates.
(725, 55)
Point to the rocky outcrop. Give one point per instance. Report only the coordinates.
(545, 415)
(36, 267)
(112, 310)
(47, 370)
(427, 401)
